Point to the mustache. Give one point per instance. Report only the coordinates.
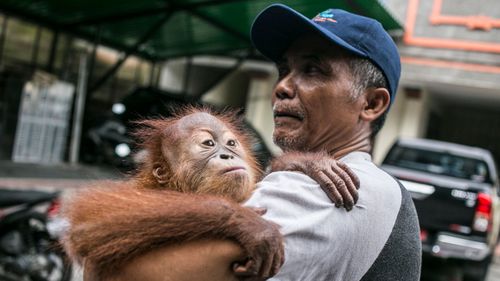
(287, 110)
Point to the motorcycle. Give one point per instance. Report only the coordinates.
(111, 144)
(28, 250)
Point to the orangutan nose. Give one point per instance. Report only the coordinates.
(226, 156)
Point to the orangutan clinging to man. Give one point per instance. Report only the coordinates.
(198, 169)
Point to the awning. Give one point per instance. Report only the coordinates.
(161, 29)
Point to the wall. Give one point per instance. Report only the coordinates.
(407, 118)
(449, 48)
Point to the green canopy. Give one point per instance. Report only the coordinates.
(161, 29)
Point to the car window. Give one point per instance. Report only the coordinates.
(440, 163)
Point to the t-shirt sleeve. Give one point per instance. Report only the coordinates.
(306, 216)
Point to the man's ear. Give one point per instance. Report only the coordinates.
(160, 173)
(377, 102)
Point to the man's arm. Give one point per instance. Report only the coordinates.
(110, 226)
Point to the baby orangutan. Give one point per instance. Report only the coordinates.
(198, 170)
(197, 152)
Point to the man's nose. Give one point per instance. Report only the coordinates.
(284, 89)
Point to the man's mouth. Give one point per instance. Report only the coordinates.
(288, 114)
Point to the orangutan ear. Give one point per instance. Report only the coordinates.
(160, 173)
(377, 102)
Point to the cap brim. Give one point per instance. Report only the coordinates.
(278, 26)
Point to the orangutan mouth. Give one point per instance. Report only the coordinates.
(232, 169)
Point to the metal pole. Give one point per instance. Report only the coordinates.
(79, 110)
(53, 48)
(36, 47)
(152, 74)
(137, 73)
(158, 75)
(2, 37)
(67, 60)
(96, 42)
(187, 74)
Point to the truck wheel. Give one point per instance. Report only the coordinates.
(477, 270)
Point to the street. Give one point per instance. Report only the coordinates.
(494, 274)
(437, 271)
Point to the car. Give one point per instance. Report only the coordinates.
(456, 193)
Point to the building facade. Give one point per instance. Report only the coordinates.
(450, 85)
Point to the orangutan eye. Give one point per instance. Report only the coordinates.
(208, 143)
(231, 143)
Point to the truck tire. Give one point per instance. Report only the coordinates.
(477, 270)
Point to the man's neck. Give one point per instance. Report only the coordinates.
(360, 142)
(362, 146)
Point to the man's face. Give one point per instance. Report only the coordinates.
(315, 107)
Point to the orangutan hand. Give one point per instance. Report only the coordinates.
(336, 179)
(263, 244)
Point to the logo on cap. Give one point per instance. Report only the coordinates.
(324, 17)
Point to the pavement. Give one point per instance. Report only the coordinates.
(52, 177)
(494, 271)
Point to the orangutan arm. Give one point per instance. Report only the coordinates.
(110, 226)
(336, 179)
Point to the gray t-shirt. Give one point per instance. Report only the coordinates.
(327, 243)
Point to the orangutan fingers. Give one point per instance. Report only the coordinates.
(256, 266)
(258, 210)
(340, 186)
(240, 269)
(250, 269)
(350, 185)
(278, 261)
(265, 267)
(352, 175)
(328, 186)
(244, 270)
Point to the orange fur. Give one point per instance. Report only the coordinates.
(153, 132)
(113, 223)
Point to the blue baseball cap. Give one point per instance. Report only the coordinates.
(277, 27)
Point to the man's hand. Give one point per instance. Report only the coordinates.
(263, 243)
(336, 179)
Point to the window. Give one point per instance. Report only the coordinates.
(440, 163)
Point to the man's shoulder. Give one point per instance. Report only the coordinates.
(289, 189)
(362, 164)
(377, 188)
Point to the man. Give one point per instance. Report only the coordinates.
(338, 74)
